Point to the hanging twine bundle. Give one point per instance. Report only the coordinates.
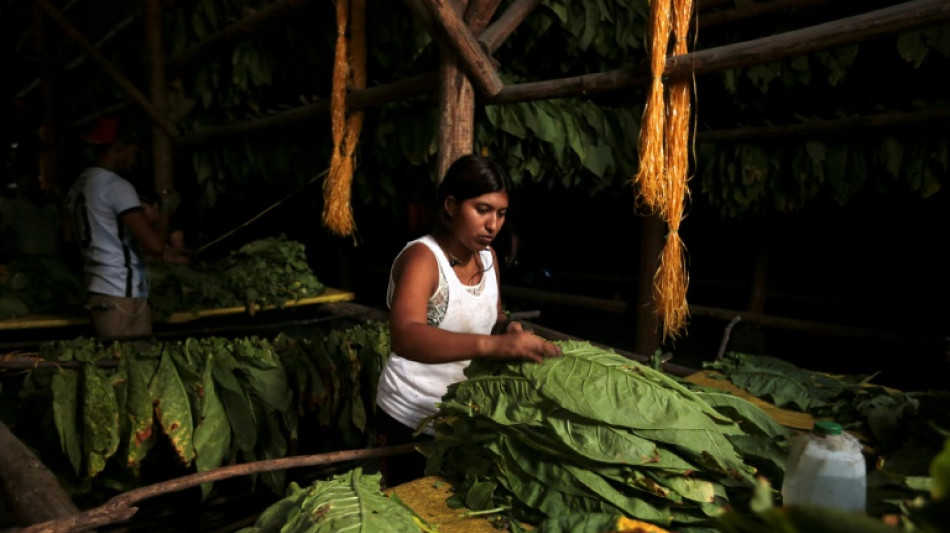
(672, 278)
(349, 65)
(650, 175)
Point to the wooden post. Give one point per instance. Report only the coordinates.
(456, 95)
(651, 243)
(31, 490)
(48, 178)
(110, 69)
(760, 271)
(161, 144)
(470, 53)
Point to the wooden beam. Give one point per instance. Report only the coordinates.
(828, 127)
(357, 99)
(903, 17)
(32, 491)
(470, 53)
(124, 506)
(501, 29)
(104, 63)
(755, 10)
(456, 107)
(81, 58)
(239, 30)
(456, 96)
(848, 30)
(652, 231)
(910, 15)
(161, 143)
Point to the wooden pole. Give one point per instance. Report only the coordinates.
(31, 490)
(652, 229)
(894, 19)
(496, 34)
(104, 63)
(456, 95)
(903, 17)
(161, 143)
(848, 30)
(81, 58)
(828, 127)
(755, 10)
(470, 53)
(123, 507)
(456, 105)
(47, 157)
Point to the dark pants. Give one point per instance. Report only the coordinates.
(398, 469)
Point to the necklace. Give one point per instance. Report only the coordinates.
(453, 261)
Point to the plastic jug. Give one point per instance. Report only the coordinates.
(825, 468)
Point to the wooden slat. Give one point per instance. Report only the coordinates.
(53, 321)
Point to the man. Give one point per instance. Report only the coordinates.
(113, 233)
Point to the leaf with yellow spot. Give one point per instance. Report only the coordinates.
(173, 409)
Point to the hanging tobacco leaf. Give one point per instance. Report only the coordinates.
(172, 408)
(100, 413)
(139, 407)
(65, 386)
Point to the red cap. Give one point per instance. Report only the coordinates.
(104, 132)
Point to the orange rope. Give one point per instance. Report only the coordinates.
(672, 278)
(337, 189)
(650, 175)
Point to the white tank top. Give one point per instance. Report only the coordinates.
(407, 390)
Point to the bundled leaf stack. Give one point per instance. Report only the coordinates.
(265, 272)
(594, 432)
(352, 501)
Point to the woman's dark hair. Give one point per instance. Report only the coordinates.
(471, 176)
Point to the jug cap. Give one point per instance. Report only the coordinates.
(827, 427)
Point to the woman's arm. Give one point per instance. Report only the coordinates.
(415, 278)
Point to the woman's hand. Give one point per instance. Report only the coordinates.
(520, 344)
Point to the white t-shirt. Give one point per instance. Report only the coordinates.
(407, 390)
(96, 203)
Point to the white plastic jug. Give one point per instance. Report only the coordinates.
(825, 468)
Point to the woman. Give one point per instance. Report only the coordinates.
(445, 307)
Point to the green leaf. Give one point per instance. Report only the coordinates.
(212, 439)
(173, 408)
(100, 420)
(940, 474)
(65, 385)
(139, 407)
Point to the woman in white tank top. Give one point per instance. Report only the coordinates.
(444, 306)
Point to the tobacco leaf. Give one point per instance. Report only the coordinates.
(212, 437)
(172, 408)
(65, 387)
(100, 413)
(352, 501)
(139, 407)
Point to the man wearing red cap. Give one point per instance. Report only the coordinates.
(112, 232)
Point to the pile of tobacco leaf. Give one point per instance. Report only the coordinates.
(352, 501)
(593, 432)
(266, 272)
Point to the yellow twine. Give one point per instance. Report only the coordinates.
(666, 194)
(650, 174)
(337, 189)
